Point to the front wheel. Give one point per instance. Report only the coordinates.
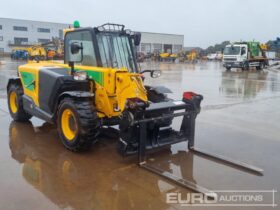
(15, 103)
(78, 124)
(228, 68)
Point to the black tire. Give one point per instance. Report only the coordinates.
(246, 66)
(20, 114)
(228, 68)
(86, 121)
(261, 66)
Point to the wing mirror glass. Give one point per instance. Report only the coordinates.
(76, 47)
(76, 52)
(137, 38)
(155, 73)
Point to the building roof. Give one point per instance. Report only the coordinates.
(34, 21)
(161, 33)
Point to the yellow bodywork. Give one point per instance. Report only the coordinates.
(192, 56)
(173, 55)
(112, 86)
(264, 46)
(168, 55)
(37, 51)
(164, 55)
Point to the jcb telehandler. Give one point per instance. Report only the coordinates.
(98, 85)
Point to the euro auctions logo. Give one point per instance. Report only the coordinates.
(191, 198)
(225, 198)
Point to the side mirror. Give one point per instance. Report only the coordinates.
(76, 54)
(75, 47)
(155, 73)
(137, 38)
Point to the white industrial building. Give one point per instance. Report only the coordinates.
(158, 42)
(16, 33)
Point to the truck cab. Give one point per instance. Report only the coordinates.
(235, 56)
(244, 55)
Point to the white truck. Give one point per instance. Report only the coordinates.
(244, 55)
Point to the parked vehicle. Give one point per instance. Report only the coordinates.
(19, 54)
(244, 55)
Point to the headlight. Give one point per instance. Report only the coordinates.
(80, 75)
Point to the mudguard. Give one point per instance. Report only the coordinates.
(77, 94)
(159, 89)
(13, 80)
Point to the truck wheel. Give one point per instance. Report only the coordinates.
(228, 68)
(261, 66)
(15, 103)
(246, 66)
(78, 124)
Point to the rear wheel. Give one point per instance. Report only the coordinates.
(78, 124)
(261, 66)
(246, 66)
(228, 68)
(15, 103)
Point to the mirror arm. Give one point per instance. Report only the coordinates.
(71, 65)
(145, 71)
(82, 52)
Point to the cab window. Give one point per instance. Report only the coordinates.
(85, 38)
(115, 51)
(243, 50)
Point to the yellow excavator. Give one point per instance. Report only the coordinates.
(192, 56)
(37, 52)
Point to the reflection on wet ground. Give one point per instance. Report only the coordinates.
(240, 119)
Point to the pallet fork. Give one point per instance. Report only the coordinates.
(191, 107)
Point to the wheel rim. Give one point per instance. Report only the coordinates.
(69, 124)
(13, 102)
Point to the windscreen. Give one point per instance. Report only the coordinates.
(115, 51)
(232, 50)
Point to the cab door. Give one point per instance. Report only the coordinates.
(244, 53)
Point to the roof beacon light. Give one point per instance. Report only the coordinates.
(76, 24)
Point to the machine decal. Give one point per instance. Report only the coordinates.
(95, 75)
(28, 80)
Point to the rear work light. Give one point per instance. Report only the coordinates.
(189, 95)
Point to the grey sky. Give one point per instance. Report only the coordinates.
(203, 22)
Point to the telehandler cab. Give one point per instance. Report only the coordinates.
(100, 84)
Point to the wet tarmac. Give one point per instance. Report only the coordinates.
(240, 119)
